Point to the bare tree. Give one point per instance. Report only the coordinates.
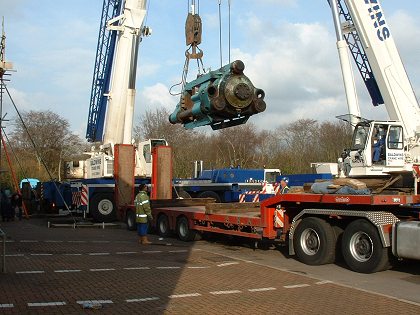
(306, 141)
(187, 145)
(52, 137)
(239, 146)
(292, 147)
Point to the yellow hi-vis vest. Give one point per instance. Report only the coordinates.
(143, 210)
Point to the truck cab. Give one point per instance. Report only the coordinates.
(377, 147)
(101, 162)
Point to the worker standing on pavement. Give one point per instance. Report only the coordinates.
(143, 214)
(284, 188)
(16, 201)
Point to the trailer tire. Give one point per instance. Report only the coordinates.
(210, 194)
(130, 219)
(183, 230)
(362, 248)
(102, 207)
(315, 242)
(184, 194)
(162, 225)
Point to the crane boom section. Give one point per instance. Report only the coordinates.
(380, 48)
(102, 72)
(120, 111)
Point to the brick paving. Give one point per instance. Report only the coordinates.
(56, 270)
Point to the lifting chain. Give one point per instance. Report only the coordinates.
(193, 31)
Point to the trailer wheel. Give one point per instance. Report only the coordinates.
(315, 242)
(362, 248)
(102, 207)
(131, 220)
(183, 230)
(184, 194)
(210, 194)
(163, 225)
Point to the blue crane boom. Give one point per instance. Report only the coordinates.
(102, 71)
(360, 58)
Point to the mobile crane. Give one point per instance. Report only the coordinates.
(361, 26)
(111, 111)
(369, 231)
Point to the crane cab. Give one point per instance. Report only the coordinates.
(377, 148)
(144, 156)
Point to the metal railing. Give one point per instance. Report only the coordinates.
(3, 259)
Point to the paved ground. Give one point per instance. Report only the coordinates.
(63, 270)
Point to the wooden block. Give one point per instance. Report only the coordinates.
(185, 202)
(307, 187)
(296, 190)
(238, 207)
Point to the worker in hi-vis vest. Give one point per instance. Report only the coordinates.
(284, 185)
(143, 214)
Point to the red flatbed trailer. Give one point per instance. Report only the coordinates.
(246, 224)
(363, 227)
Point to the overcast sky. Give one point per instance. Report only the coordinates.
(288, 47)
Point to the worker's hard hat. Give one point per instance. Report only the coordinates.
(285, 179)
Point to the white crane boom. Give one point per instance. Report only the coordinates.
(389, 71)
(120, 111)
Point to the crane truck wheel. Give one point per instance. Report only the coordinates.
(102, 208)
(184, 232)
(315, 242)
(130, 219)
(182, 194)
(162, 225)
(362, 248)
(210, 194)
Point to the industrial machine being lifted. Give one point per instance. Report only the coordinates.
(222, 98)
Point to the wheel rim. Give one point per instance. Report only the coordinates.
(163, 225)
(309, 242)
(105, 207)
(361, 246)
(130, 220)
(183, 229)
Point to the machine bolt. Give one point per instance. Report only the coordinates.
(237, 67)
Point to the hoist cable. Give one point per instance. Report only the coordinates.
(14, 154)
(25, 210)
(220, 34)
(147, 13)
(229, 28)
(37, 152)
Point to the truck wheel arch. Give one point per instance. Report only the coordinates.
(381, 220)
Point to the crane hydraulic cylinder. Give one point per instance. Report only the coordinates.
(221, 98)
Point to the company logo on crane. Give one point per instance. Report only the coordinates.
(375, 11)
